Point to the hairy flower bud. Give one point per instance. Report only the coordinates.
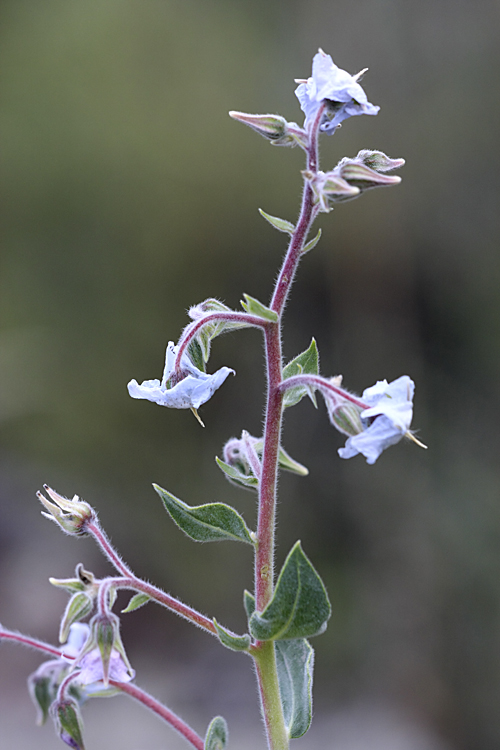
(273, 127)
(68, 722)
(329, 186)
(71, 515)
(103, 656)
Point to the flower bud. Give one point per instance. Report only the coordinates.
(68, 722)
(379, 161)
(367, 170)
(346, 417)
(329, 186)
(103, 657)
(71, 515)
(273, 127)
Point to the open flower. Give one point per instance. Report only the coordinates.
(187, 389)
(385, 422)
(340, 91)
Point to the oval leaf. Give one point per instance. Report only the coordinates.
(139, 600)
(295, 661)
(230, 640)
(216, 736)
(282, 224)
(299, 607)
(213, 522)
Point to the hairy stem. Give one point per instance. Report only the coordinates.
(267, 675)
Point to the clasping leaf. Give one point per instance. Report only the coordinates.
(295, 661)
(230, 640)
(299, 607)
(212, 522)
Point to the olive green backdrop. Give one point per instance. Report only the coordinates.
(128, 194)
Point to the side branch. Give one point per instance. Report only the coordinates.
(243, 319)
(322, 384)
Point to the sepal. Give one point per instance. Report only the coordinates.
(71, 515)
(199, 347)
(295, 662)
(273, 127)
(230, 640)
(299, 608)
(216, 736)
(84, 581)
(212, 522)
(68, 722)
(305, 363)
(79, 606)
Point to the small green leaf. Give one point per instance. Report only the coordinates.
(306, 363)
(244, 480)
(216, 736)
(249, 603)
(229, 640)
(299, 607)
(285, 461)
(254, 307)
(213, 522)
(139, 600)
(312, 243)
(281, 224)
(295, 662)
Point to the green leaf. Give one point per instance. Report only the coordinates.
(312, 243)
(299, 607)
(306, 363)
(213, 522)
(245, 480)
(139, 600)
(230, 640)
(216, 736)
(249, 603)
(285, 461)
(281, 224)
(295, 662)
(254, 307)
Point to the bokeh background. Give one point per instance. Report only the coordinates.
(128, 194)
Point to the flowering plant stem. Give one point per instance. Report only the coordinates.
(264, 556)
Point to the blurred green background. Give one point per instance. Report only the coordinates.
(128, 194)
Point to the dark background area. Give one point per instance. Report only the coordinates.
(128, 195)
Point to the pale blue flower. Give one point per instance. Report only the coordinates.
(387, 419)
(341, 91)
(192, 389)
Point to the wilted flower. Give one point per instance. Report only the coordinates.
(341, 92)
(385, 422)
(187, 389)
